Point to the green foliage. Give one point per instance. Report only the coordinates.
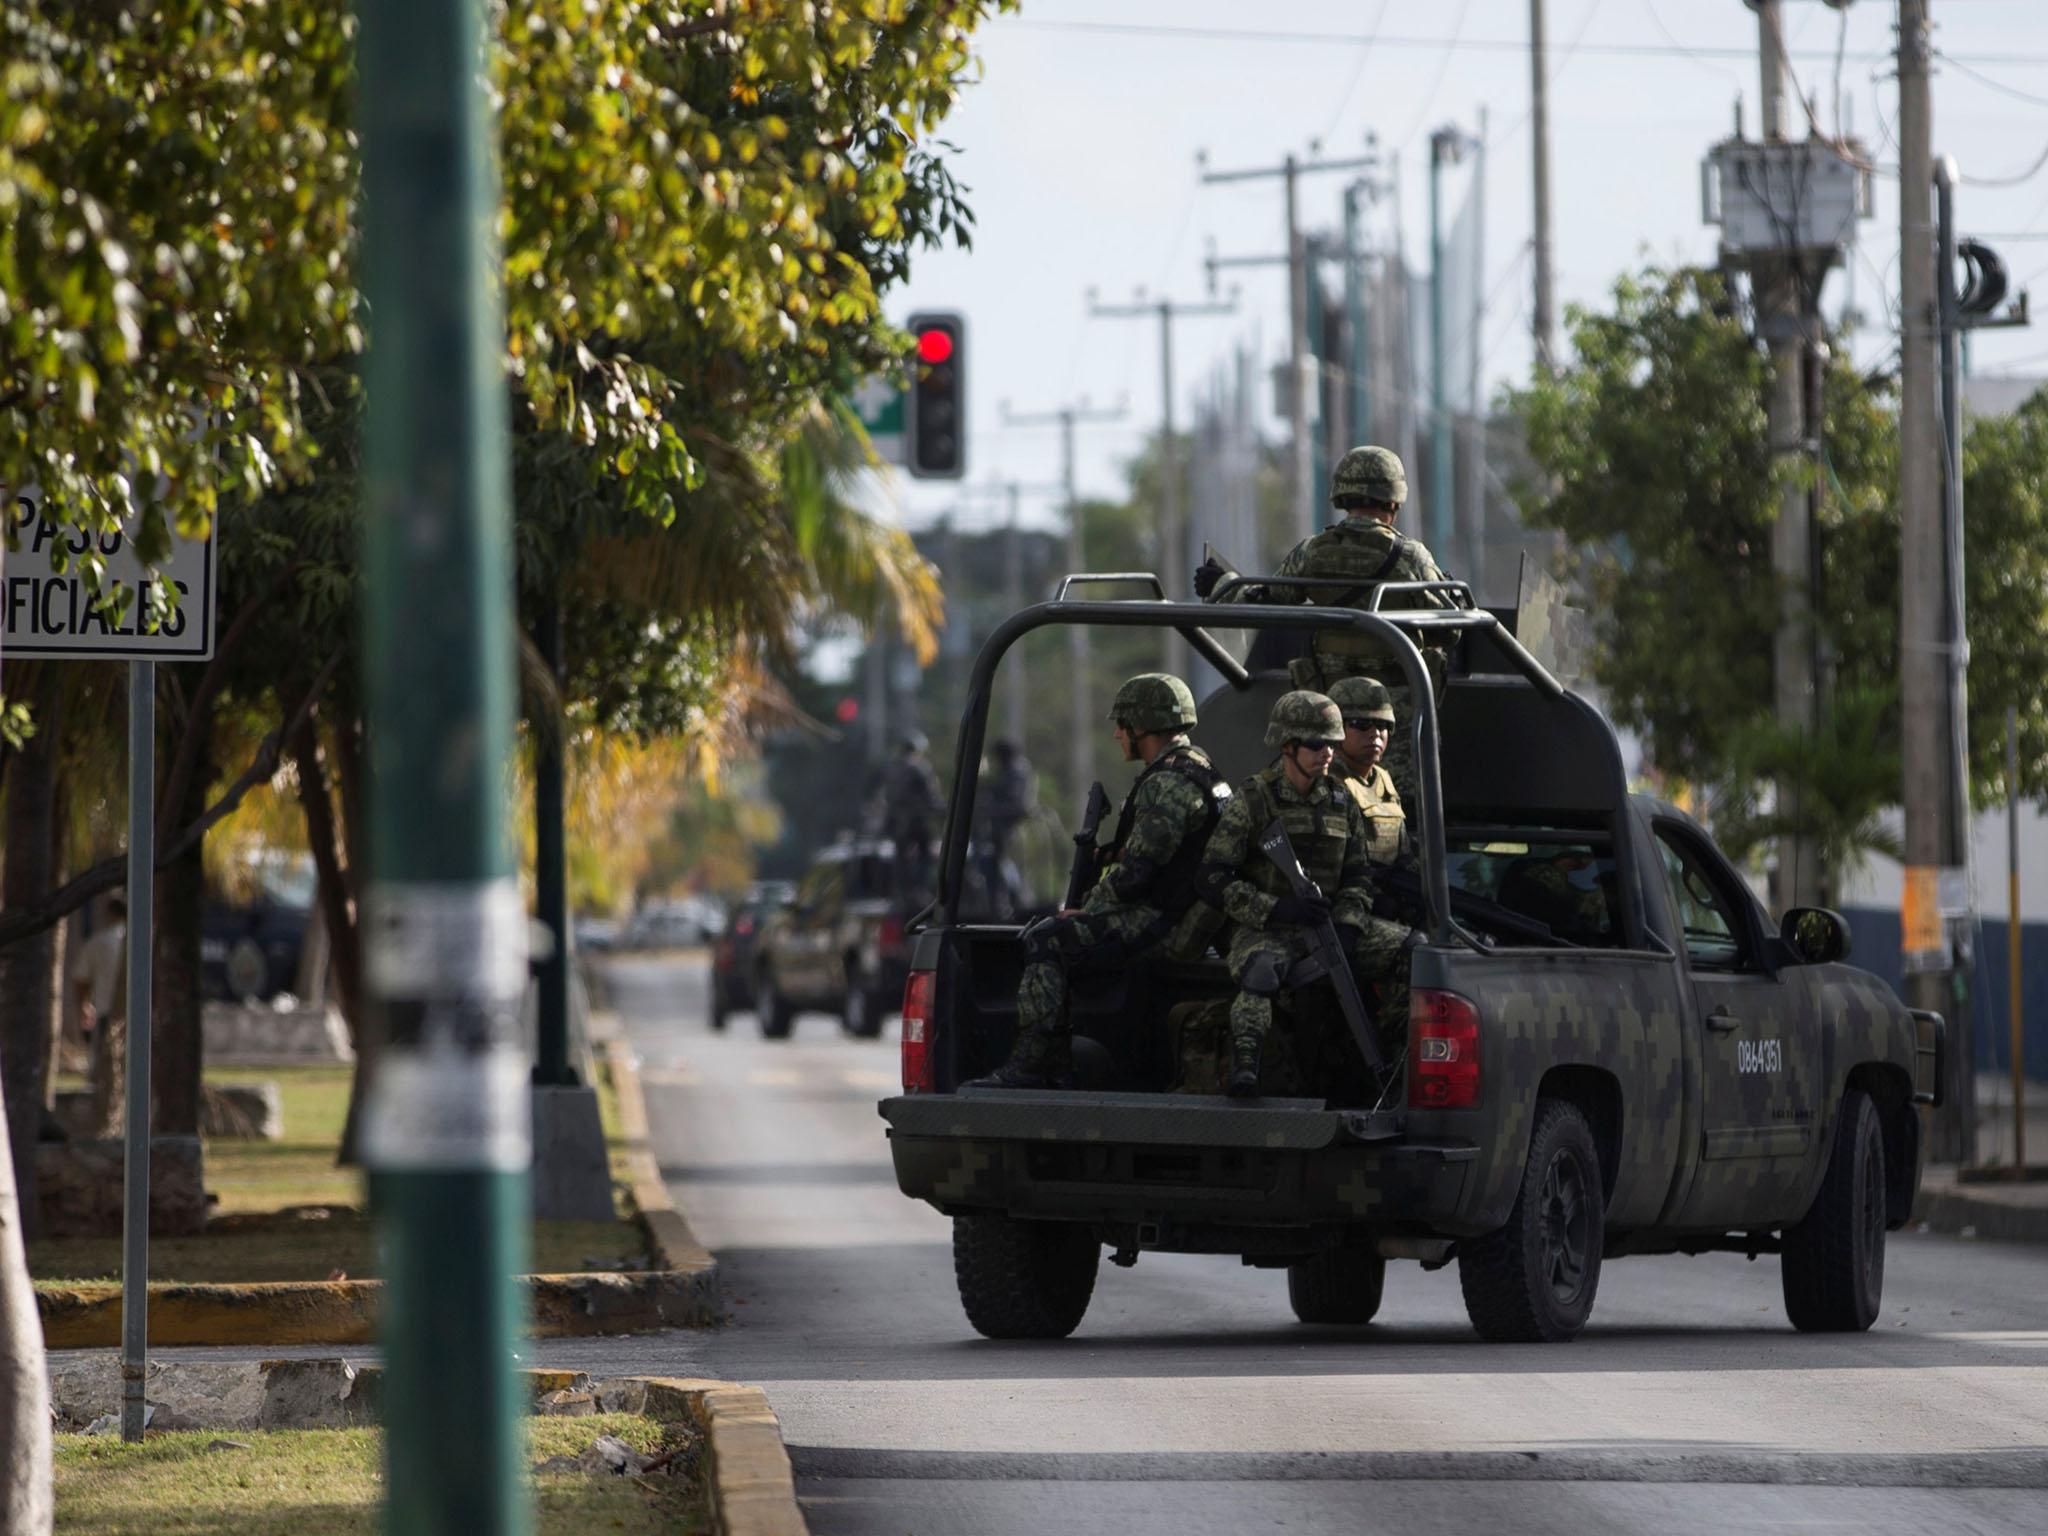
(1654, 450)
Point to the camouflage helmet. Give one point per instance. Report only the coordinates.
(1362, 698)
(1372, 474)
(1305, 717)
(1153, 701)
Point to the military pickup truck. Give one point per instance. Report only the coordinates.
(1611, 1050)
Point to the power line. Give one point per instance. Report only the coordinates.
(1997, 85)
(1691, 53)
(1443, 67)
(1238, 35)
(1358, 69)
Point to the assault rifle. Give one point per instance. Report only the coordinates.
(1397, 894)
(1326, 947)
(1087, 857)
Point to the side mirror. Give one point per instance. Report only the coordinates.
(1815, 935)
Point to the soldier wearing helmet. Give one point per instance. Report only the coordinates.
(1368, 486)
(1145, 899)
(1271, 936)
(1368, 711)
(912, 807)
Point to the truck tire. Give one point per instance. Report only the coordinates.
(1341, 1286)
(865, 1008)
(772, 1007)
(1023, 1279)
(1833, 1263)
(1533, 1280)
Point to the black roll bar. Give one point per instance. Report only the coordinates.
(1212, 650)
(1183, 617)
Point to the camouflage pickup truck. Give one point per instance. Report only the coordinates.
(1611, 1049)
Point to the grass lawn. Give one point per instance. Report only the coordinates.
(258, 1180)
(330, 1482)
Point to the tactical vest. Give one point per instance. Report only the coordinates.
(1175, 886)
(1385, 820)
(1319, 831)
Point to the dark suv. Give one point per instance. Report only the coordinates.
(733, 958)
(839, 945)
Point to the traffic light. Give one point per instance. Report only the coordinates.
(937, 419)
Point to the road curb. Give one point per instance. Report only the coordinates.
(747, 1471)
(2012, 1213)
(680, 1292)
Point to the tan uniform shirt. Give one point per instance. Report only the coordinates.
(1381, 804)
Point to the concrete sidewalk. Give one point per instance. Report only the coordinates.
(1974, 1204)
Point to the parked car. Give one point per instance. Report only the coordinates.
(732, 958)
(672, 924)
(839, 945)
(249, 950)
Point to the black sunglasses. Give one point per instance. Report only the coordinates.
(1369, 725)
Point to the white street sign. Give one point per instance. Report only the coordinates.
(47, 613)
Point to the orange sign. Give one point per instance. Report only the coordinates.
(1920, 929)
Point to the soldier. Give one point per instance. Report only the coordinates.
(1145, 898)
(1368, 711)
(1330, 838)
(1368, 487)
(1007, 794)
(912, 807)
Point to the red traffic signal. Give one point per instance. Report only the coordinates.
(936, 421)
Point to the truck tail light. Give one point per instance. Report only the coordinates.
(890, 936)
(917, 1032)
(1443, 1051)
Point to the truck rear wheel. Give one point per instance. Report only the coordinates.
(775, 1013)
(1833, 1263)
(1341, 1286)
(1533, 1281)
(1023, 1279)
(864, 1009)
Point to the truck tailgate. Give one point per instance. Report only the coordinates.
(1143, 1119)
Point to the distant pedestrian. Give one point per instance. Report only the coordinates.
(99, 979)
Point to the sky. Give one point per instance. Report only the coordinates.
(1078, 147)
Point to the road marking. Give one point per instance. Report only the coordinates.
(859, 1077)
(774, 1077)
(670, 1077)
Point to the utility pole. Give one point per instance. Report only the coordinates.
(1787, 311)
(1013, 599)
(1174, 554)
(1447, 146)
(1301, 390)
(1924, 652)
(445, 1129)
(1543, 321)
(1082, 725)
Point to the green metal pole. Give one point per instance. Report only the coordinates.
(446, 1133)
(1358, 338)
(1439, 414)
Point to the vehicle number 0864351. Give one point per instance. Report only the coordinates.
(1759, 1056)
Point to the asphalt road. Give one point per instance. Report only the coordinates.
(1191, 1401)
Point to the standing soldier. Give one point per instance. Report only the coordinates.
(1368, 711)
(1368, 486)
(1145, 899)
(912, 808)
(1330, 838)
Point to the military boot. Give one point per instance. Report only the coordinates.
(1245, 1054)
(1039, 1059)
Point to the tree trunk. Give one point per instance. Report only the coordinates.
(28, 979)
(177, 1045)
(26, 1504)
(60, 956)
(338, 912)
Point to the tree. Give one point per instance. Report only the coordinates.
(25, 1450)
(1657, 469)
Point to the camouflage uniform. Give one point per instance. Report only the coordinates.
(1362, 548)
(1543, 889)
(1330, 838)
(1386, 824)
(1145, 898)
